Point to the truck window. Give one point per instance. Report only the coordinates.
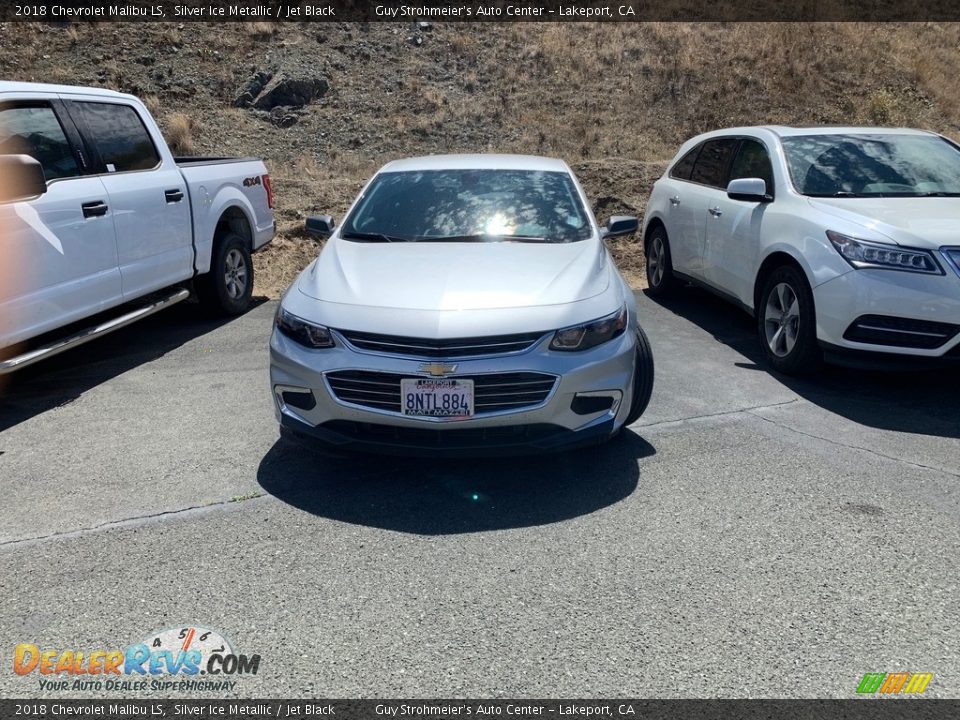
(36, 131)
(118, 134)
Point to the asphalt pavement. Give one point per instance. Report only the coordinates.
(750, 536)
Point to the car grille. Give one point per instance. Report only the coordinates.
(900, 332)
(494, 392)
(441, 349)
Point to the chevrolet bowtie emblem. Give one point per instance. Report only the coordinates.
(437, 369)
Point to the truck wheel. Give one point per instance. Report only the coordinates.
(227, 288)
(787, 323)
(642, 379)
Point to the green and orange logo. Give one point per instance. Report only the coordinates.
(898, 683)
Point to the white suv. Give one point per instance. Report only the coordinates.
(843, 242)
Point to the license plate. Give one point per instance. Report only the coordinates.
(423, 397)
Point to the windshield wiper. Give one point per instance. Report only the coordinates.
(483, 238)
(934, 194)
(372, 237)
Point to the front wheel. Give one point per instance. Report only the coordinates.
(228, 287)
(786, 323)
(642, 379)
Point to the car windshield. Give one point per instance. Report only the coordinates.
(873, 165)
(469, 206)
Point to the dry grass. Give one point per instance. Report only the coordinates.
(178, 130)
(261, 30)
(614, 99)
(153, 104)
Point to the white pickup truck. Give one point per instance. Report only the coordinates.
(100, 225)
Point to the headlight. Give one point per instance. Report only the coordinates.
(864, 254)
(591, 334)
(303, 332)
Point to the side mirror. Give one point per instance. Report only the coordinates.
(21, 178)
(748, 190)
(321, 226)
(621, 225)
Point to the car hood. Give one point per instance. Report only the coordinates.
(918, 222)
(456, 276)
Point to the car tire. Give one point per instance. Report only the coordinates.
(228, 287)
(787, 323)
(642, 379)
(660, 278)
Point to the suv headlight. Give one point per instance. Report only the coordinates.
(591, 334)
(299, 330)
(865, 254)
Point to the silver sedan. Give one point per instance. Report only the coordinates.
(467, 304)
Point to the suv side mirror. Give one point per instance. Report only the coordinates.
(21, 178)
(748, 190)
(620, 225)
(322, 225)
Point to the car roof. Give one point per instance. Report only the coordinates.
(7, 86)
(788, 131)
(477, 162)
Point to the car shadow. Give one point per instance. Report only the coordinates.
(64, 378)
(441, 497)
(923, 402)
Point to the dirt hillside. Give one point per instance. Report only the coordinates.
(325, 104)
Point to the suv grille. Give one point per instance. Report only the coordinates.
(440, 349)
(491, 392)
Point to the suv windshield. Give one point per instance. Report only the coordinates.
(880, 165)
(469, 206)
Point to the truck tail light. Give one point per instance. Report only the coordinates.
(269, 188)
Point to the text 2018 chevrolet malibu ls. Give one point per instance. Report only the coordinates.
(843, 241)
(466, 303)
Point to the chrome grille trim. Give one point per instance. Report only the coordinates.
(441, 349)
(952, 256)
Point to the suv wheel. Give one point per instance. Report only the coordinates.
(786, 323)
(660, 278)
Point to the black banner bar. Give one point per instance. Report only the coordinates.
(475, 10)
(144, 709)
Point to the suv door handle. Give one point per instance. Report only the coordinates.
(173, 196)
(97, 208)
(675, 200)
(715, 211)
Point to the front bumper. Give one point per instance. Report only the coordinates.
(889, 299)
(552, 424)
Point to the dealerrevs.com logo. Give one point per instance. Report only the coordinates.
(178, 659)
(895, 683)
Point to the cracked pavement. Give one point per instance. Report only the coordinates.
(751, 536)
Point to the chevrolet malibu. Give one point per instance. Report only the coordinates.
(842, 242)
(466, 304)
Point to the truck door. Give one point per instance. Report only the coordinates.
(58, 250)
(148, 195)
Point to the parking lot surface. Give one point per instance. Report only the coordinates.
(752, 535)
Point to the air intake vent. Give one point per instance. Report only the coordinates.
(900, 332)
